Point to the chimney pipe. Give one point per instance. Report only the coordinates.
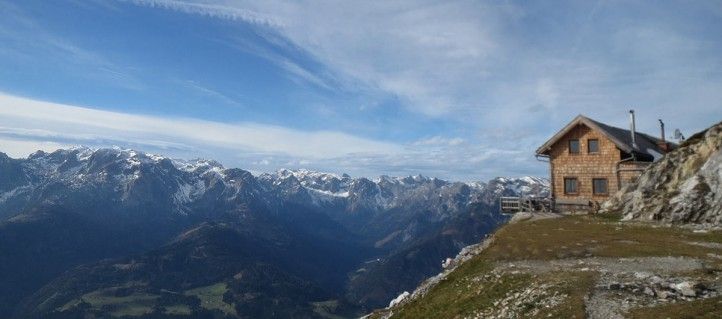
(632, 128)
(662, 143)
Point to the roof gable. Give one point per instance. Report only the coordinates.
(646, 145)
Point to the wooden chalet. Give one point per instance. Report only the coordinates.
(589, 160)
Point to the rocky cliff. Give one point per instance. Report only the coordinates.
(683, 187)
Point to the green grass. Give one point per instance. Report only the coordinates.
(178, 310)
(579, 236)
(139, 303)
(454, 297)
(134, 304)
(211, 297)
(466, 291)
(609, 217)
(464, 294)
(698, 309)
(575, 285)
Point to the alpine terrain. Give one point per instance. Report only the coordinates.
(112, 233)
(655, 251)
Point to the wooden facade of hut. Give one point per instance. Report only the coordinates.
(590, 160)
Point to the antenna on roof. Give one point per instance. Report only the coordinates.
(678, 135)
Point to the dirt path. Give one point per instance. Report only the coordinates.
(663, 265)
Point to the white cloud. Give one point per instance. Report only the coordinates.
(293, 69)
(28, 125)
(489, 63)
(439, 140)
(419, 51)
(36, 120)
(18, 148)
(211, 10)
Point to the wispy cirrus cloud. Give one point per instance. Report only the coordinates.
(207, 91)
(449, 43)
(489, 62)
(439, 140)
(211, 10)
(25, 39)
(293, 69)
(32, 119)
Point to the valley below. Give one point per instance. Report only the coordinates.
(115, 233)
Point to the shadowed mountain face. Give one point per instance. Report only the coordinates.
(213, 263)
(115, 232)
(39, 245)
(377, 282)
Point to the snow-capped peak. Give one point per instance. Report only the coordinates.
(189, 180)
(198, 165)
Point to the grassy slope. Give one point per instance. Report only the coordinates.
(211, 298)
(467, 291)
(134, 304)
(699, 309)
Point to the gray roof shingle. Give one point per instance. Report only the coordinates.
(647, 146)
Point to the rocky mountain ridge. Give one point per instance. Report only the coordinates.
(189, 181)
(355, 240)
(151, 185)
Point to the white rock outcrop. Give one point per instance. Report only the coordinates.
(399, 299)
(683, 187)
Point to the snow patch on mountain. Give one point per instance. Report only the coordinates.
(14, 192)
(185, 182)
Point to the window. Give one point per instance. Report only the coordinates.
(593, 146)
(570, 185)
(573, 146)
(599, 186)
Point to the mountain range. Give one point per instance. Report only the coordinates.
(120, 233)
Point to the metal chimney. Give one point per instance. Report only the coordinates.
(632, 128)
(662, 142)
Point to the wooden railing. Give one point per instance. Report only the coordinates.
(524, 204)
(510, 204)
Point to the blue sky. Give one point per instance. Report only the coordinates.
(463, 90)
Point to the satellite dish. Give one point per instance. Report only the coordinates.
(678, 135)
